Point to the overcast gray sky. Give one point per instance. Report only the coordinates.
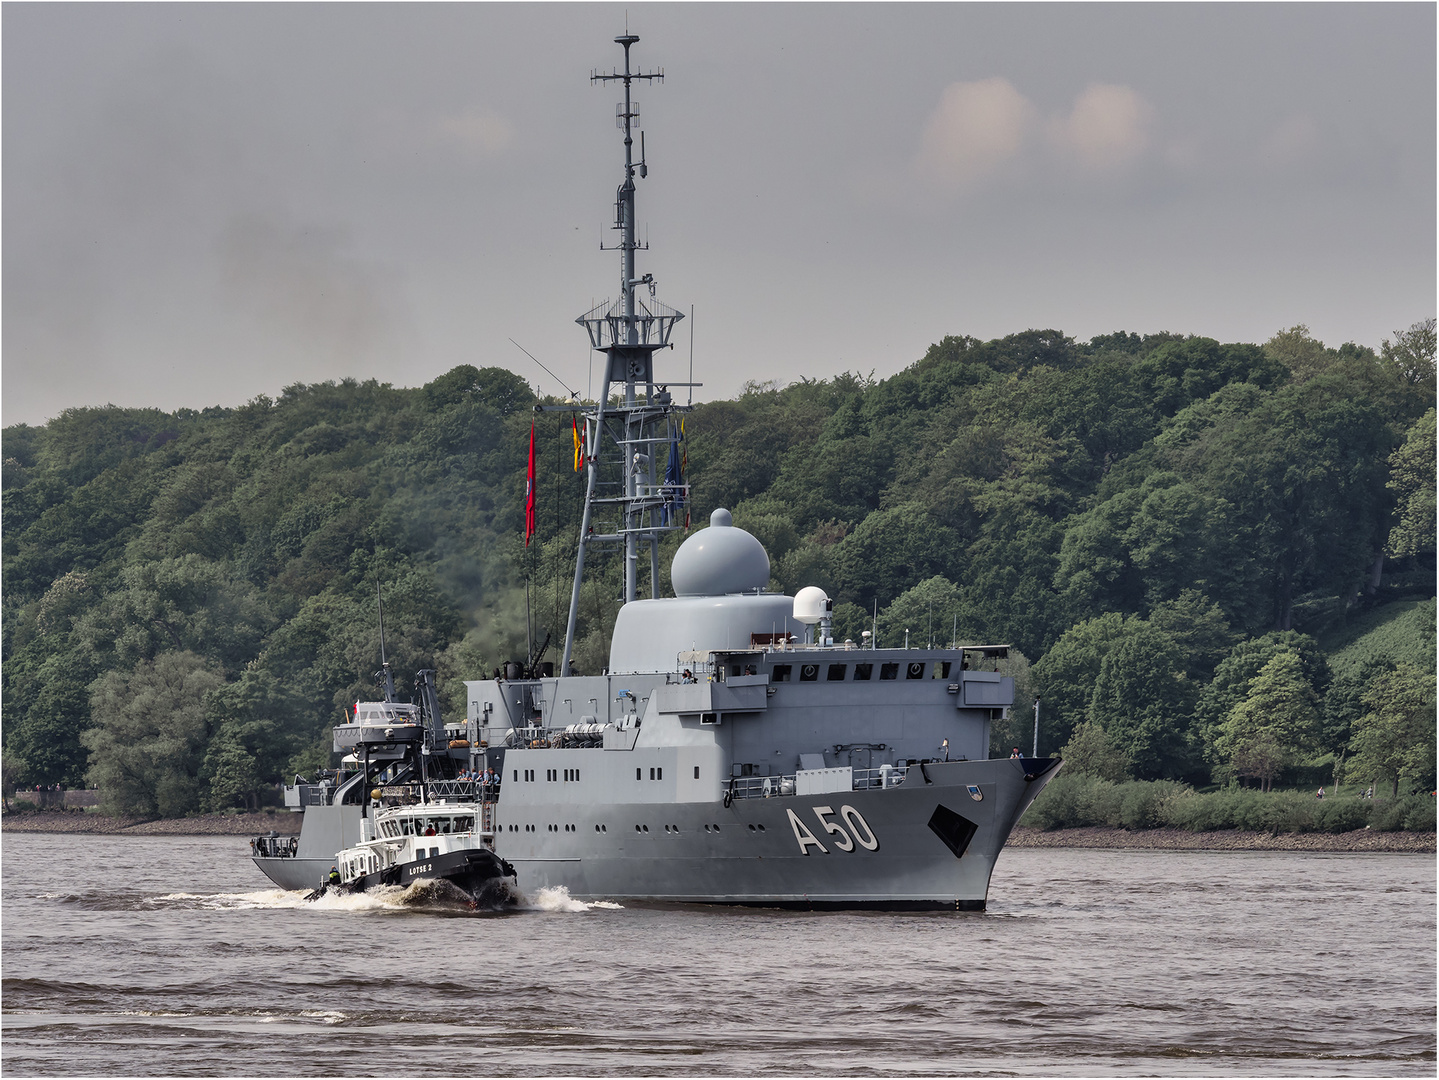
(207, 203)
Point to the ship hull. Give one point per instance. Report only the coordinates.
(924, 844)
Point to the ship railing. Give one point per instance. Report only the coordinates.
(886, 776)
(572, 737)
(767, 787)
(459, 790)
(275, 847)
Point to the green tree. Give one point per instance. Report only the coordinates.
(927, 612)
(1412, 479)
(1395, 737)
(148, 745)
(1091, 752)
(231, 771)
(1234, 675)
(1064, 676)
(1275, 724)
(1145, 702)
(1411, 354)
(1300, 352)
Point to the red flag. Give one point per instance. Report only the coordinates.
(530, 490)
(579, 445)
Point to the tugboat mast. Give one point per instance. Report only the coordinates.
(628, 332)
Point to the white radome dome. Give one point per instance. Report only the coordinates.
(811, 604)
(719, 560)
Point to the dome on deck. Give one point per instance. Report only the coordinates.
(719, 560)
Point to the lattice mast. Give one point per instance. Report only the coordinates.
(629, 331)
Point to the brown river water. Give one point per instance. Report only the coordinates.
(145, 956)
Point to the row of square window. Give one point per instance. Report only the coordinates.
(659, 773)
(553, 775)
(862, 672)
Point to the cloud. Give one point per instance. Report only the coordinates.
(1106, 131)
(302, 288)
(478, 131)
(1291, 143)
(976, 129)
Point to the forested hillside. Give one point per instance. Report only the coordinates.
(1164, 527)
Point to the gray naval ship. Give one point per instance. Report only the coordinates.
(731, 752)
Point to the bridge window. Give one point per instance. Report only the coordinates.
(940, 670)
(862, 672)
(915, 670)
(781, 672)
(808, 672)
(889, 671)
(835, 673)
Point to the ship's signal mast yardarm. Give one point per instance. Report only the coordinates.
(627, 501)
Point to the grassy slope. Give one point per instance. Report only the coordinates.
(1402, 631)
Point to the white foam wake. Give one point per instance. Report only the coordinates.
(558, 899)
(279, 899)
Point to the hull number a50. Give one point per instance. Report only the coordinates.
(858, 832)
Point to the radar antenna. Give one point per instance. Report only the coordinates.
(629, 331)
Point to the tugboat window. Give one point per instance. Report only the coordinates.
(889, 671)
(781, 672)
(835, 673)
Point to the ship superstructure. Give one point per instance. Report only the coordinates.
(731, 751)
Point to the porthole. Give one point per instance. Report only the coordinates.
(761, 828)
(751, 828)
(646, 828)
(637, 828)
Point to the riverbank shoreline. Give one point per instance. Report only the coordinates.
(75, 821)
(286, 824)
(1224, 840)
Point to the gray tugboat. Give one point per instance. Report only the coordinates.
(732, 752)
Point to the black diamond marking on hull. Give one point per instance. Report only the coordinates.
(954, 829)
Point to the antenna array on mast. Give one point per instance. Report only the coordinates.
(647, 501)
